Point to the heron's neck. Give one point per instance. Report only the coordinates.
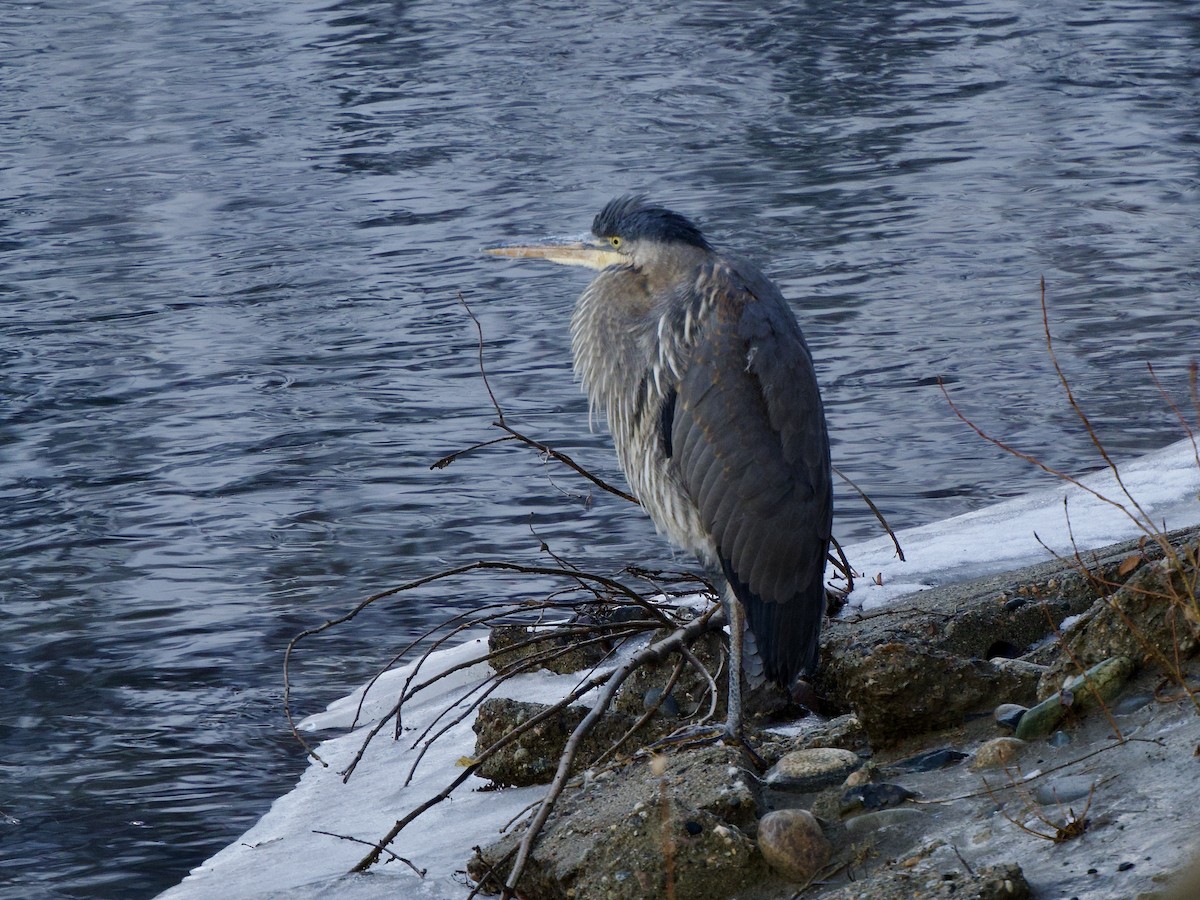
(675, 265)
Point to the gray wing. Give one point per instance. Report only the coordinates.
(747, 433)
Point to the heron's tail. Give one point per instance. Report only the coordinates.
(786, 634)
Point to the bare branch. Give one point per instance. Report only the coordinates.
(346, 837)
(516, 435)
(1082, 416)
(1175, 409)
(654, 653)
(482, 371)
(446, 460)
(568, 462)
(875, 509)
(1057, 473)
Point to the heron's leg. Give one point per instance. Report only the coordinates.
(731, 732)
(737, 632)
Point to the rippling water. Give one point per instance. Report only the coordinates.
(232, 238)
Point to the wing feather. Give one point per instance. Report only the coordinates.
(751, 448)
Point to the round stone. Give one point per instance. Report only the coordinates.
(793, 844)
(1008, 715)
(1066, 789)
(1132, 703)
(666, 706)
(997, 752)
(858, 777)
(1042, 719)
(1059, 739)
(874, 796)
(930, 760)
(860, 826)
(803, 771)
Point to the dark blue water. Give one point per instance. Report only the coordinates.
(232, 237)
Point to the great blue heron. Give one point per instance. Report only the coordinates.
(709, 391)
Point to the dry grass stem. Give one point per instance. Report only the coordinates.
(1180, 576)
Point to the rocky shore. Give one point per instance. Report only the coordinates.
(1017, 736)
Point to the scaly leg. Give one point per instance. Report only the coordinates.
(737, 632)
(697, 735)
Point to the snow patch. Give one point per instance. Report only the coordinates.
(284, 856)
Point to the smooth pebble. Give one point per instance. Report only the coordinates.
(793, 844)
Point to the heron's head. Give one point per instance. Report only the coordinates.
(629, 231)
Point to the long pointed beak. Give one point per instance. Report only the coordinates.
(569, 253)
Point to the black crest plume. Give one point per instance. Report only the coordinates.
(635, 218)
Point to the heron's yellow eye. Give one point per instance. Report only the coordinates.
(615, 241)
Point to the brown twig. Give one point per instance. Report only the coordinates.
(713, 692)
(654, 653)
(482, 370)
(646, 715)
(842, 564)
(491, 870)
(1072, 826)
(1079, 413)
(568, 462)
(513, 434)
(490, 565)
(1187, 428)
(500, 743)
(346, 837)
(1008, 448)
(875, 509)
(449, 458)
(987, 792)
(525, 665)
(610, 681)
(1144, 523)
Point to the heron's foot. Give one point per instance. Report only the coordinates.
(691, 736)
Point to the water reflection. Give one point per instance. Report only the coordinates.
(231, 246)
